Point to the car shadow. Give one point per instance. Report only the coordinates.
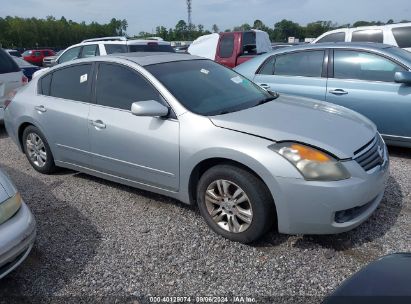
(147, 194)
(66, 242)
(374, 228)
(400, 152)
(3, 133)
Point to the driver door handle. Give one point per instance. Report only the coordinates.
(98, 124)
(338, 92)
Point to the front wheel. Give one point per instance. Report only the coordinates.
(37, 150)
(235, 203)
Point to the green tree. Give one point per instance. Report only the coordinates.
(215, 28)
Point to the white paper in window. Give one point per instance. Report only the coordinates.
(83, 78)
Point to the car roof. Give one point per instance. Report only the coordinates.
(343, 45)
(149, 58)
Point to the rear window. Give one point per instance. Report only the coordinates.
(7, 64)
(115, 48)
(368, 36)
(403, 36)
(249, 43)
(226, 46)
(151, 47)
(334, 37)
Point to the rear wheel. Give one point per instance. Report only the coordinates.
(38, 151)
(235, 203)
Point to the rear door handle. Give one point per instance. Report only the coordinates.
(265, 86)
(41, 109)
(339, 92)
(98, 124)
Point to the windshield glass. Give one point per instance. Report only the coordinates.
(207, 88)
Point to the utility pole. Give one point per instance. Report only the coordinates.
(189, 10)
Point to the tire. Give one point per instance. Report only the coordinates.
(254, 212)
(38, 151)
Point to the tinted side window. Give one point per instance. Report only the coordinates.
(7, 64)
(402, 36)
(226, 46)
(70, 54)
(249, 43)
(118, 87)
(115, 48)
(364, 66)
(307, 64)
(90, 51)
(334, 37)
(44, 85)
(368, 36)
(268, 67)
(72, 83)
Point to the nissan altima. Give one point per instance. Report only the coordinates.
(188, 128)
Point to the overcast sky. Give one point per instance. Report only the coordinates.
(145, 15)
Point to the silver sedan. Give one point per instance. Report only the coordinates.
(17, 227)
(193, 130)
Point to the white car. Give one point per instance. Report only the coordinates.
(392, 34)
(111, 45)
(106, 46)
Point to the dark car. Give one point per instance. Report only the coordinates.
(27, 68)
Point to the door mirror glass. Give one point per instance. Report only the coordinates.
(403, 77)
(149, 108)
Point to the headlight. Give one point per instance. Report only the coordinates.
(313, 164)
(9, 207)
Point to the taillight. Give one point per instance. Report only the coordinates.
(9, 98)
(24, 80)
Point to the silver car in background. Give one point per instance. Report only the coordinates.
(186, 127)
(11, 78)
(17, 227)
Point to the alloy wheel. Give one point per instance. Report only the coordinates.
(36, 150)
(229, 206)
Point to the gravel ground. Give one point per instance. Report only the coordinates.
(99, 240)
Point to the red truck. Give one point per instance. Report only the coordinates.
(36, 56)
(231, 48)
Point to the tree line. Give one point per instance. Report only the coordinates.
(16, 32)
(278, 33)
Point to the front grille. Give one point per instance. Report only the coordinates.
(371, 155)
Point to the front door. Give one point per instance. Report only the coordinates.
(139, 149)
(364, 82)
(297, 73)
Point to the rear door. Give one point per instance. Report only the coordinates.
(10, 78)
(301, 73)
(364, 81)
(62, 109)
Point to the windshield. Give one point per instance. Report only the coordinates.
(207, 88)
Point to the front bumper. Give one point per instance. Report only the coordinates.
(307, 207)
(17, 237)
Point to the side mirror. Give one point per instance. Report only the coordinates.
(150, 108)
(403, 77)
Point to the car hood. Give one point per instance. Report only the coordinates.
(335, 129)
